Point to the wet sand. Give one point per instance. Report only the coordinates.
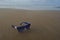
(45, 24)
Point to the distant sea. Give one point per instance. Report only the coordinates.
(31, 4)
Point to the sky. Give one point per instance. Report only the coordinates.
(35, 4)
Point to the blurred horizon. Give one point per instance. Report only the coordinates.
(31, 4)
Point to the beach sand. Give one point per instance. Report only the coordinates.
(45, 24)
